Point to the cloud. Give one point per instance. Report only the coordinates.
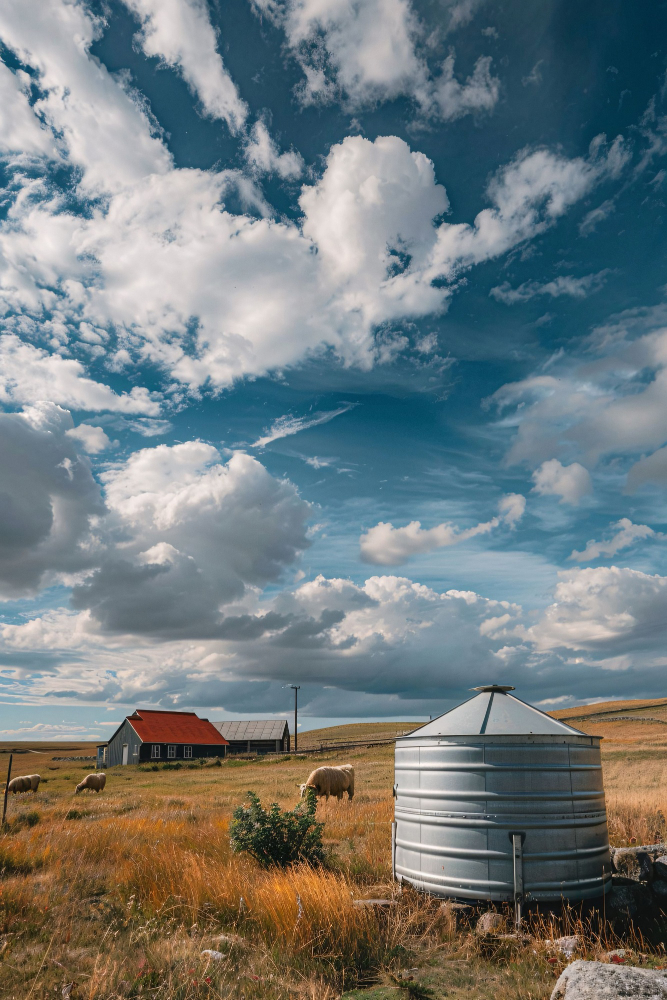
(22, 135)
(592, 219)
(49, 502)
(179, 32)
(527, 197)
(605, 626)
(29, 373)
(612, 403)
(570, 482)
(372, 52)
(386, 545)
(358, 637)
(48, 731)
(606, 610)
(93, 439)
(261, 152)
(102, 129)
(626, 535)
(286, 426)
(534, 78)
(577, 288)
(125, 260)
(191, 535)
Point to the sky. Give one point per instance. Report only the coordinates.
(333, 353)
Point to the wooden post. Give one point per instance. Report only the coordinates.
(9, 774)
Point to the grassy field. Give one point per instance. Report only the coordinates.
(119, 894)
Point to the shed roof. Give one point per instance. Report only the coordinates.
(255, 729)
(153, 726)
(495, 712)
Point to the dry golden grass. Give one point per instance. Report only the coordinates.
(119, 894)
(608, 706)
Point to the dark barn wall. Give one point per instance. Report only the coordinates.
(257, 746)
(198, 750)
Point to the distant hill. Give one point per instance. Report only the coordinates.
(356, 731)
(607, 707)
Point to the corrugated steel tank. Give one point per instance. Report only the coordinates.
(496, 800)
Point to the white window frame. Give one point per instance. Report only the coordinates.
(155, 751)
(187, 751)
(171, 751)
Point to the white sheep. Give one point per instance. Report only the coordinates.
(20, 784)
(326, 781)
(34, 781)
(95, 782)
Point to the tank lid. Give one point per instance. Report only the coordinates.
(494, 712)
(503, 688)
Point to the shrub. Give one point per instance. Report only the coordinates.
(276, 836)
(29, 819)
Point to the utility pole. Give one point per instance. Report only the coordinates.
(295, 688)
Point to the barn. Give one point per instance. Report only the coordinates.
(154, 736)
(257, 736)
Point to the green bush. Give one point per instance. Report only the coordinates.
(276, 836)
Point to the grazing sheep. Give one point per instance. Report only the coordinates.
(22, 784)
(331, 781)
(95, 782)
(34, 781)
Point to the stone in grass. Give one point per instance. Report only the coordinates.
(491, 923)
(215, 956)
(597, 981)
(629, 901)
(565, 945)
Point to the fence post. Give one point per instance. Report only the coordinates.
(9, 774)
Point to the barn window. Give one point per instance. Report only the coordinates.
(171, 751)
(187, 751)
(155, 750)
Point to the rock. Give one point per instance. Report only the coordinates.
(660, 867)
(628, 861)
(645, 867)
(491, 923)
(565, 945)
(215, 956)
(597, 981)
(630, 901)
(230, 939)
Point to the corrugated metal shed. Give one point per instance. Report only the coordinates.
(256, 729)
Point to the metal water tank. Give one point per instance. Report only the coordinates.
(496, 800)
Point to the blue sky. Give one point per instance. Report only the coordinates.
(333, 352)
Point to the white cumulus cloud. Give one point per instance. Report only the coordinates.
(93, 439)
(386, 545)
(570, 482)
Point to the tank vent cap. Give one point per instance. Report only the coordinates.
(498, 688)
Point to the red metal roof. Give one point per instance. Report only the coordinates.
(174, 727)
